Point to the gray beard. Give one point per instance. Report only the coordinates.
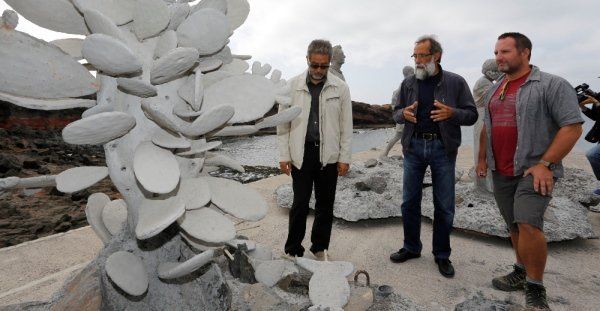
(424, 73)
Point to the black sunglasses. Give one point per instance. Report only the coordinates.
(316, 66)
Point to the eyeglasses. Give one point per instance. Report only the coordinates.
(415, 56)
(316, 66)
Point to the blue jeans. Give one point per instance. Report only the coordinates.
(593, 155)
(423, 153)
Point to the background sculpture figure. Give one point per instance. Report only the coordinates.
(490, 76)
(337, 60)
(406, 72)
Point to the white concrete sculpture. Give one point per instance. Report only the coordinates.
(328, 286)
(165, 194)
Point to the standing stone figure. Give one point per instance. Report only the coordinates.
(407, 71)
(532, 121)
(483, 84)
(315, 148)
(433, 105)
(337, 60)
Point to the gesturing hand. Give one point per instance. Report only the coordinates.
(443, 112)
(409, 113)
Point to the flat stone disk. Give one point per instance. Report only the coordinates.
(79, 178)
(250, 95)
(127, 271)
(30, 67)
(199, 148)
(57, 15)
(150, 17)
(207, 226)
(236, 199)
(155, 168)
(194, 192)
(110, 55)
(114, 215)
(173, 270)
(169, 140)
(207, 30)
(156, 215)
(93, 213)
(98, 129)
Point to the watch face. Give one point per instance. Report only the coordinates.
(552, 166)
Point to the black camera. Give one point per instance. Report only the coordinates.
(583, 90)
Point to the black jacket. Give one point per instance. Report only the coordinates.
(455, 92)
(593, 135)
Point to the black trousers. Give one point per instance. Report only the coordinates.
(324, 180)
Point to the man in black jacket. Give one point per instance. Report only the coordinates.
(432, 104)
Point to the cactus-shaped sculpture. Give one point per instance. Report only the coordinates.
(167, 86)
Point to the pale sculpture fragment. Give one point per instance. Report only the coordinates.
(172, 65)
(47, 104)
(166, 42)
(236, 199)
(206, 30)
(114, 215)
(93, 212)
(194, 192)
(99, 23)
(155, 168)
(110, 55)
(57, 75)
(98, 129)
(155, 215)
(119, 11)
(207, 225)
(150, 17)
(173, 270)
(179, 12)
(71, 46)
(79, 178)
(128, 272)
(57, 15)
(169, 140)
(136, 87)
(237, 12)
(219, 5)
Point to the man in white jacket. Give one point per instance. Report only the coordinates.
(315, 148)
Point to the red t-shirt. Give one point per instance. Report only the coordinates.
(503, 110)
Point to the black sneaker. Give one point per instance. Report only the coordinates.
(445, 267)
(535, 297)
(512, 281)
(403, 255)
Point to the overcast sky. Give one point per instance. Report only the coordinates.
(378, 36)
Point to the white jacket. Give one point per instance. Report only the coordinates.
(335, 122)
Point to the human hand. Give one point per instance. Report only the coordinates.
(443, 112)
(285, 167)
(409, 113)
(481, 169)
(543, 181)
(342, 168)
(589, 100)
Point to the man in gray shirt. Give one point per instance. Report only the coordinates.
(531, 123)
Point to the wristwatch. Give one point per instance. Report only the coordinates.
(547, 164)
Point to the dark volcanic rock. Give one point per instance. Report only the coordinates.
(365, 115)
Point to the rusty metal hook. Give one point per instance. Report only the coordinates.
(359, 272)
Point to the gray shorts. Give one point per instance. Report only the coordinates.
(518, 202)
